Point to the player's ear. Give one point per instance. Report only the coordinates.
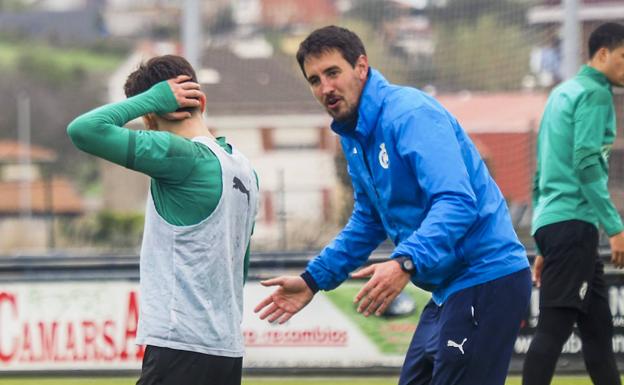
(202, 102)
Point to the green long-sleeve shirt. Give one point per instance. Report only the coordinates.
(575, 137)
(186, 180)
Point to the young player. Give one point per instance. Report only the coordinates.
(198, 223)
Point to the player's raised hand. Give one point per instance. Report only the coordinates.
(386, 282)
(187, 95)
(292, 295)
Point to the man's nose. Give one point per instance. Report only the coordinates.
(327, 86)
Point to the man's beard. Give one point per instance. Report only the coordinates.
(350, 116)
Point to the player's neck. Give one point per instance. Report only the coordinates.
(188, 128)
(597, 65)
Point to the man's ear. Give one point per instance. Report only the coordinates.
(361, 66)
(602, 54)
(149, 120)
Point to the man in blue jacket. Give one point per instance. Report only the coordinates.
(418, 179)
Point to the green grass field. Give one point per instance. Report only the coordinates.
(260, 381)
(391, 335)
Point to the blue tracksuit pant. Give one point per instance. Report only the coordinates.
(469, 339)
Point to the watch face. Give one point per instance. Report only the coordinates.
(408, 264)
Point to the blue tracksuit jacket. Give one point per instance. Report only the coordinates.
(418, 179)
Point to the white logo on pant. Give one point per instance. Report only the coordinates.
(454, 344)
(583, 290)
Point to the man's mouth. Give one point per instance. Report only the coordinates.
(332, 102)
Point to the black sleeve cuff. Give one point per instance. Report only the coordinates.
(309, 280)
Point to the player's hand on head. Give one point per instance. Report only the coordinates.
(292, 295)
(617, 250)
(186, 92)
(386, 282)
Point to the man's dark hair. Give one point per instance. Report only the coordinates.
(154, 71)
(608, 35)
(331, 38)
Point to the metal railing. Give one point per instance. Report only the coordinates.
(66, 267)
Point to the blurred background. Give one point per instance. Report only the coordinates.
(68, 219)
(490, 62)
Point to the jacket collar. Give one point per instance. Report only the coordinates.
(369, 108)
(595, 75)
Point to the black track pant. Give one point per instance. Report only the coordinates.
(573, 291)
(554, 328)
(164, 366)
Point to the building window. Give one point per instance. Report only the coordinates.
(324, 138)
(267, 135)
(313, 138)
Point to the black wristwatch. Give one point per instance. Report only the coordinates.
(406, 263)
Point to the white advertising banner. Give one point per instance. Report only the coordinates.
(67, 326)
(319, 336)
(92, 325)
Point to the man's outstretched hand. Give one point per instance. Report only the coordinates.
(386, 283)
(292, 295)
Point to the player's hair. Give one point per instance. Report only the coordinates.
(608, 35)
(157, 69)
(331, 38)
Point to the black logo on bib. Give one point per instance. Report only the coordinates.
(238, 185)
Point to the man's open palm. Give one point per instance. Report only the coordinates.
(292, 295)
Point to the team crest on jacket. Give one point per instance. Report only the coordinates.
(383, 156)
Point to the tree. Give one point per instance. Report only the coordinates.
(470, 11)
(374, 12)
(485, 55)
(224, 21)
(58, 92)
(346, 189)
(480, 44)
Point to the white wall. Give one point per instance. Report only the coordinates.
(306, 173)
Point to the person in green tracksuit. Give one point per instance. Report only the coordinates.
(198, 223)
(570, 201)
